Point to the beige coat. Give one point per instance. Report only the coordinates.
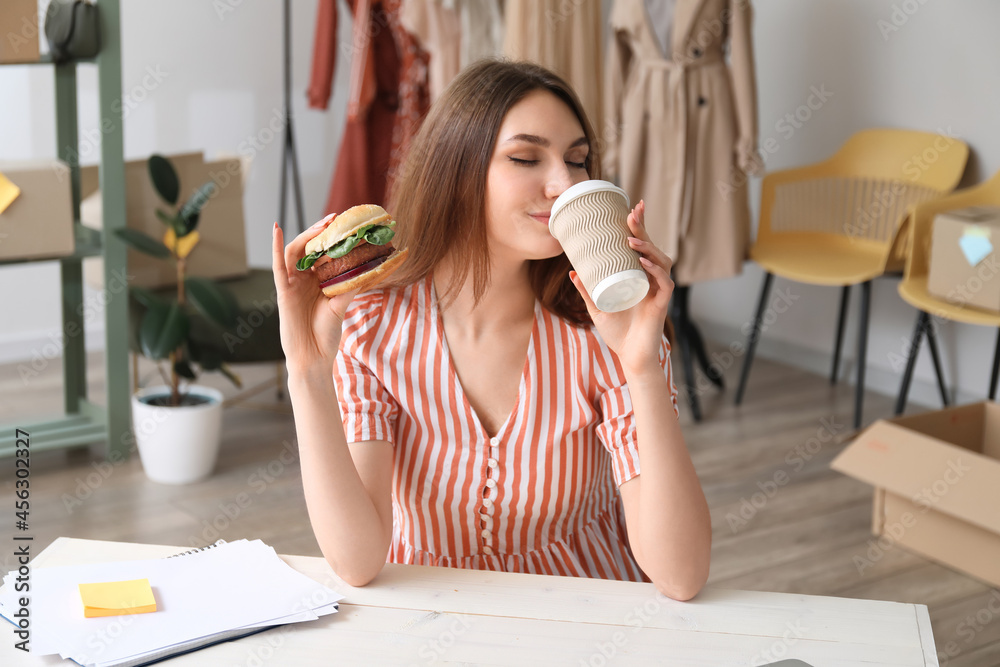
(564, 36)
(682, 131)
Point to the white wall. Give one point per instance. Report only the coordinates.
(939, 71)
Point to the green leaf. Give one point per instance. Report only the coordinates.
(191, 211)
(172, 221)
(207, 356)
(341, 248)
(379, 235)
(184, 369)
(212, 301)
(164, 178)
(163, 330)
(307, 261)
(143, 242)
(148, 298)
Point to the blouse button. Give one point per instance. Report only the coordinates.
(493, 463)
(491, 483)
(486, 535)
(487, 503)
(488, 551)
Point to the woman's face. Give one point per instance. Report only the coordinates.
(541, 150)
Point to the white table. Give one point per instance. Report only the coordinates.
(415, 615)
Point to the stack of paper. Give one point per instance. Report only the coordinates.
(200, 598)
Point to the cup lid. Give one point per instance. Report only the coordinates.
(620, 291)
(582, 188)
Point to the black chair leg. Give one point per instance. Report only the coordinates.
(936, 356)
(845, 296)
(911, 361)
(996, 369)
(859, 396)
(698, 344)
(754, 334)
(682, 331)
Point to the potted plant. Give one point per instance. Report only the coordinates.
(177, 424)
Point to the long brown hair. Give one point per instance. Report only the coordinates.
(439, 196)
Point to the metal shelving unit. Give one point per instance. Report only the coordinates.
(82, 421)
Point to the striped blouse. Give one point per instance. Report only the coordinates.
(540, 497)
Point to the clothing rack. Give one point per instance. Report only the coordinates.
(289, 157)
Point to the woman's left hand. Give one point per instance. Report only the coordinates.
(635, 334)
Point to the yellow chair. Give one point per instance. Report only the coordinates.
(837, 222)
(913, 287)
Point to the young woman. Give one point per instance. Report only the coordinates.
(490, 416)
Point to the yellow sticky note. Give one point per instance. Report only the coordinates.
(8, 193)
(115, 598)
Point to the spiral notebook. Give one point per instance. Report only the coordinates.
(207, 596)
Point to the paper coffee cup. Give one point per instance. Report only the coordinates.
(590, 221)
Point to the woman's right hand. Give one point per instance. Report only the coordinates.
(310, 322)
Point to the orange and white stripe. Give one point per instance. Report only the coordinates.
(540, 497)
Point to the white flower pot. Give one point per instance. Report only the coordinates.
(177, 445)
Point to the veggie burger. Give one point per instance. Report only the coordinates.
(354, 251)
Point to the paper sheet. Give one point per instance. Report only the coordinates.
(237, 585)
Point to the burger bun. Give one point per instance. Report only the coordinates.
(346, 224)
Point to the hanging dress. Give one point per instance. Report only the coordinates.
(387, 102)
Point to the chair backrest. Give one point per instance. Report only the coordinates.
(866, 188)
(856, 207)
(918, 257)
(910, 156)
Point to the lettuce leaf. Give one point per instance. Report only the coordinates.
(374, 234)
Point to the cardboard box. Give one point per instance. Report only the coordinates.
(965, 251)
(38, 224)
(19, 31)
(221, 252)
(937, 484)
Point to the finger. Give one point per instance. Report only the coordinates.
(339, 304)
(637, 217)
(578, 283)
(278, 258)
(647, 248)
(637, 223)
(661, 278)
(297, 247)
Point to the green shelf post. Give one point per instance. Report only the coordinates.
(71, 270)
(109, 73)
(83, 422)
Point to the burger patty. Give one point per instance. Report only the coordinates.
(363, 252)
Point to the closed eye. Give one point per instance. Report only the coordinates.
(518, 160)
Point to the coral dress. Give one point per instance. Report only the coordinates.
(542, 495)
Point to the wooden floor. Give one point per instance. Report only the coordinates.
(811, 536)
